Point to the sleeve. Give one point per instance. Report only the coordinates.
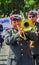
(11, 39)
(32, 36)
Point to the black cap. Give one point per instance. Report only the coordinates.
(33, 13)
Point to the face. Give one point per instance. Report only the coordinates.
(16, 23)
(13, 23)
(33, 18)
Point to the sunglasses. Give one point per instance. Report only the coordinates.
(31, 16)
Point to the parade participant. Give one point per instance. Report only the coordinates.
(35, 50)
(19, 53)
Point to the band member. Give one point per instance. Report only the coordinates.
(35, 49)
(18, 41)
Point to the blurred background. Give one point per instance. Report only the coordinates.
(9, 7)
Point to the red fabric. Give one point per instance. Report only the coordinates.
(12, 18)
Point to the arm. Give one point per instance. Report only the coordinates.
(32, 36)
(11, 39)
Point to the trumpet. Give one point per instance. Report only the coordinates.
(26, 25)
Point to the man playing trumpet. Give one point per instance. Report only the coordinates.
(18, 40)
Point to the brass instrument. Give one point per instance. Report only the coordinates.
(26, 25)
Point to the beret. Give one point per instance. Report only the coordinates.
(32, 13)
(13, 18)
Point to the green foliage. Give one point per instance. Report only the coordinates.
(9, 5)
(23, 5)
(29, 4)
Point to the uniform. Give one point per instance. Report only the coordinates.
(19, 53)
(35, 50)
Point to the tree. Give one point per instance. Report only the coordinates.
(23, 5)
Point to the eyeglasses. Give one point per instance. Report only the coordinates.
(31, 16)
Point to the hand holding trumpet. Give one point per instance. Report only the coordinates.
(21, 33)
(20, 30)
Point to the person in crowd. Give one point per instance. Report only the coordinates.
(35, 50)
(1, 38)
(18, 41)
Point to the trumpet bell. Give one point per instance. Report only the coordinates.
(26, 25)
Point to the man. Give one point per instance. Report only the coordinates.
(19, 53)
(35, 50)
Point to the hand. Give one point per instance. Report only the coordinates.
(20, 31)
